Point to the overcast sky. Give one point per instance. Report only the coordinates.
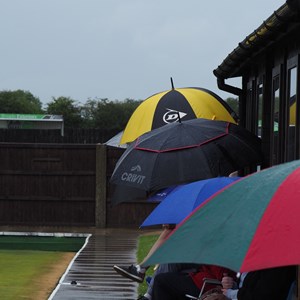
(120, 49)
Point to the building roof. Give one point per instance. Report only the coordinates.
(280, 22)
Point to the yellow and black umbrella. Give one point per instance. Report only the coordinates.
(166, 107)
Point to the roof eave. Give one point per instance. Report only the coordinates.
(261, 38)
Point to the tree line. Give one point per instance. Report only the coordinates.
(94, 113)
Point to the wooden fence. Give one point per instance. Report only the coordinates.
(62, 185)
(71, 136)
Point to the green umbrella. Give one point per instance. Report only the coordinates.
(252, 224)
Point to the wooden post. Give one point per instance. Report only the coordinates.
(100, 205)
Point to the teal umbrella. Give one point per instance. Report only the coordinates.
(252, 224)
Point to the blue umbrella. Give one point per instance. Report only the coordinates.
(181, 201)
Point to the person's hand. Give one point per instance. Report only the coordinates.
(224, 291)
(227, 282)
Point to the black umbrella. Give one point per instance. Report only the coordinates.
(183, 152)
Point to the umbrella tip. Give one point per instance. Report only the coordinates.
(172, 84)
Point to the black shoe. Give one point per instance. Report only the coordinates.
(130, 272)
(142, 298)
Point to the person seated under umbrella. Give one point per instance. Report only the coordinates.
(190, 276)
(272, 283)
(136, 272)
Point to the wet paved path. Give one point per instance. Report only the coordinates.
(92, 268)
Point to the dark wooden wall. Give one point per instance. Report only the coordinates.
(55, 185)
(72, 136)
(47, 184)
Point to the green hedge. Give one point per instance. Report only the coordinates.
(62, 244)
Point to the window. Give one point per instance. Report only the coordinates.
(275, 119)
(292, 108)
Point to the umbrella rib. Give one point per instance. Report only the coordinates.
(179, 148)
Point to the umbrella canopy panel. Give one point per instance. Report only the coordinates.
(181, 201)
(253, 224)
(115, 141)
(167, 107)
